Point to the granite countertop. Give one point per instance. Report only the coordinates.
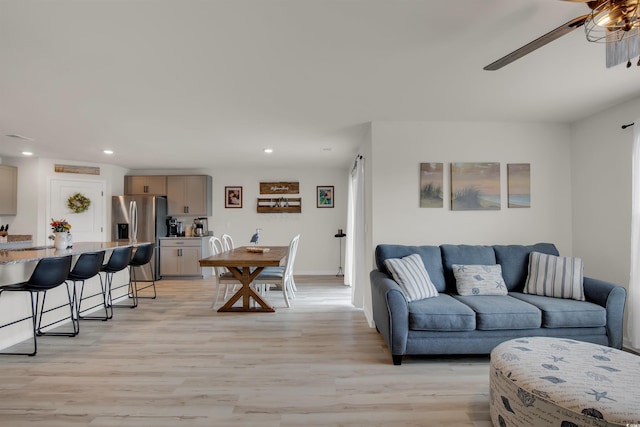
(184, 237)
(14, 241)
(11, 238)
(22, 255)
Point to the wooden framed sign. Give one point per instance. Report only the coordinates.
(279, 188)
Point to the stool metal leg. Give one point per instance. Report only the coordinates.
(152, 285)
(72, 315)
(104, 304)
(33, 324)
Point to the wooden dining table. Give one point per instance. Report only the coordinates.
(246, 264)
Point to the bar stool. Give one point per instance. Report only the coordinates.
(142, 257)
(48, 274)
(118, 261)
(87, 266)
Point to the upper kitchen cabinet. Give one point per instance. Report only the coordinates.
(189, 195)
(155, 185)
(8, 190)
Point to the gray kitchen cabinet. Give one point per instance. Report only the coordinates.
(8, 190)
(180, 257)
(135, 185)
(189, 195)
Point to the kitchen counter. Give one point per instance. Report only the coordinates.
(23, 255)
(184, 237)
(17, 265)
(16, 241)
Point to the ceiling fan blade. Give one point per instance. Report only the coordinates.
(537, 43)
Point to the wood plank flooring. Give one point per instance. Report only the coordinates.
(175, 362)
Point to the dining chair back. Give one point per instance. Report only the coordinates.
(48, 274)
(280, 276)
(215, 245)
(223, 277)
(227, 242)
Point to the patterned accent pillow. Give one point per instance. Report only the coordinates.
(555, 276)
(409, 272)
(479, 279)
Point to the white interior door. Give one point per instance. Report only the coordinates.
(87, 226)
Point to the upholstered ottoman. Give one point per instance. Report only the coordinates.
(542, 381)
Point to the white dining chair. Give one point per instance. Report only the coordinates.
(223, 277)
(280, 276)
(227, 242)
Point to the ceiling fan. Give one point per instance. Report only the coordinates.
(614, 22)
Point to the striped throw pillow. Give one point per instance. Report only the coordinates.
(409, 272)
(554, 276)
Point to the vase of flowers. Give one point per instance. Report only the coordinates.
(60, 228)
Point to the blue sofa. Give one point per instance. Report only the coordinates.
(453, 324)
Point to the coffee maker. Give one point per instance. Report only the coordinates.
(172, 227)
(200, 227)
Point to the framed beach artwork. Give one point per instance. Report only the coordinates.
(431, 180)
(325, 196)
(233, 197)
(519, 185)
(475, 186)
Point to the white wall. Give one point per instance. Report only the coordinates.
(318, 251)
(34, 175)
(601, 176)
(400, 147)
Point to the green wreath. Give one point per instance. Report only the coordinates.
(78, 203)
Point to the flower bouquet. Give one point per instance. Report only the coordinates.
(60, 225)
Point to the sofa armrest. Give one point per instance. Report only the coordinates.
(612, 298)
(390, 311)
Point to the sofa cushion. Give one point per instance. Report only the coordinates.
(410, 274)
(463, 254)
(554, 276)
(479, 279)
(430, 257)
(442, 313)
(502, 312)
(566, 313)
(514, 260)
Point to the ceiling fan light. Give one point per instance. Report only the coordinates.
(612, 21)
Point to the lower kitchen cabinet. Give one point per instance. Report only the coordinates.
(181, 256)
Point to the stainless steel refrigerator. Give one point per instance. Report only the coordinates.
(140, 219)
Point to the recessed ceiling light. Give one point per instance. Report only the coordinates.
(21, 137)
(268, 150)
(27, 153)
(108, 151)
(327, 149)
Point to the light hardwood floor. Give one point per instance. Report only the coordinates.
(175, 362)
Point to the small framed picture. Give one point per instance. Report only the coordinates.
(232, 197)
(325, 196)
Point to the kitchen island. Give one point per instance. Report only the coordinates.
(16, 265)
(25, 255)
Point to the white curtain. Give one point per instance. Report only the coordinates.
(633, 305)
(354, 271)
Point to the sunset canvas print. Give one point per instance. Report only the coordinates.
(431, 179)
(519, 185)
(475, 186)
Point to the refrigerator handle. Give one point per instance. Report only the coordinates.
(133, 216)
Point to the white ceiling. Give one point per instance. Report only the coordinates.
(200, 83)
